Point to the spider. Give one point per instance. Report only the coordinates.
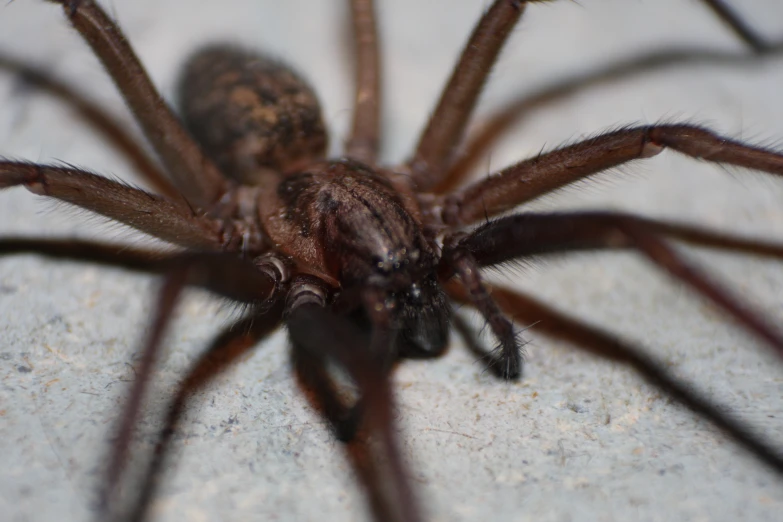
(566, 451)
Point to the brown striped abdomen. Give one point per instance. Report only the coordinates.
(249, 112)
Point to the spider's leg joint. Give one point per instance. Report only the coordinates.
(305, 290)
(650, 149)
(275, 267)
(13, 174)
(35, 181)
(692, 140)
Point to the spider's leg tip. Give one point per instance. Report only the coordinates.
(512, 371)
(507, 367)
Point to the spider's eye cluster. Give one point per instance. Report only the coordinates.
(396, 261)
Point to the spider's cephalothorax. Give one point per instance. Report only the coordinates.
(361, 261)
(342, 221)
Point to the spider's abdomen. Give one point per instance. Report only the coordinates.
(250, 112)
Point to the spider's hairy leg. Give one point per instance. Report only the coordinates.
(311, 371)
(364, 141)
(507, 238)
(110, 127)
(481, 139)
(531, 234)
(535, 177)
(596, 341)
(225, 276)
(445, 128)
(193, 174)
(240, 280)
(225, 350)
(322, 337)
(322, 392)
(171, 220)
(120, 256)
(432, 159)
(169, 295)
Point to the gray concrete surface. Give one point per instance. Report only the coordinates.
(576, 440)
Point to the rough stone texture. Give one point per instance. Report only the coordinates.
(577, 439)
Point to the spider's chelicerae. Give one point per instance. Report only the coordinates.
(566, 440)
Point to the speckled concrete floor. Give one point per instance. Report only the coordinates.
(576, 440)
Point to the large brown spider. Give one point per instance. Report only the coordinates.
(559, 452)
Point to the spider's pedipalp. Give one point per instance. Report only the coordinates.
(374, 451)
(508, 363)
(537, 234)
